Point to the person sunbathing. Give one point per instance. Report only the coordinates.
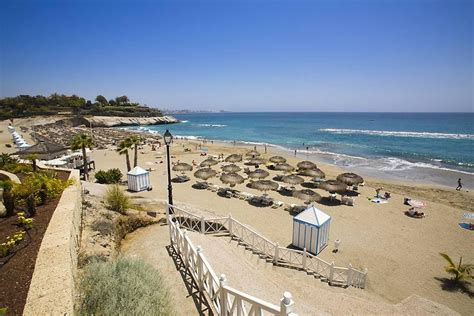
(412, 212)
(387, 195)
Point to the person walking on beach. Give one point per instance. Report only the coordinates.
(459, 185)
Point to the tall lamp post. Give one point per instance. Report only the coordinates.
(168, 138)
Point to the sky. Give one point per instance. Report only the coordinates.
(385, 56)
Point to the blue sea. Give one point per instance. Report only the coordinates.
(396, 144)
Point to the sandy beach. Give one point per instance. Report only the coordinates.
(400, 253)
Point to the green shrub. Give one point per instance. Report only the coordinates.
(116, 200)
(109, 177)
(123, 287)
(42, 185)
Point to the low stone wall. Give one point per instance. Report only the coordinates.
(52, 288)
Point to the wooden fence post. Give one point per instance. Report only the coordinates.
(304, 258)
(200, 269)
(286, 304)
(203, 225)
(365, 278)
(178, 243)
(168, 221)
(223, 295)
(276, 255)
(350, 274)
(230, 226)
(331, 273)
(185, 250)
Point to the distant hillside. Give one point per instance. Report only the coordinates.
(57, 104)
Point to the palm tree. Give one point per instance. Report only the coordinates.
(461, 271)
(135, 141)
(82, 141)
(123, 148)
(33, 158)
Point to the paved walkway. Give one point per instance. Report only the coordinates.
(245, 271)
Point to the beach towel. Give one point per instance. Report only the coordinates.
(469, 215)
(416, 203)
(378, 201)
(466, 226)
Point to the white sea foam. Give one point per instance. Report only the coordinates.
(397, 133)
(211, 125)
(190, 137)
(185, 121)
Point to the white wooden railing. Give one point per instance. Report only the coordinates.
(328, 272)
(224, 299)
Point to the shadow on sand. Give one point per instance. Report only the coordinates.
(450, 285)
(202, 305)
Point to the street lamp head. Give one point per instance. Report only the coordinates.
(167, 137)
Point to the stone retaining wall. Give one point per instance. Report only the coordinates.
(52, 288)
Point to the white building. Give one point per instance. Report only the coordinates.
(311, 230)
(138, 179)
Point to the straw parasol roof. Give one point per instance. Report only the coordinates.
(292, 179)
(252, 153)
(306, 195)
(284, 167)
(232, 178)
(317, 173)
(208, 162)
(234, 158)
(205, 173)
(333, 186)
(257, 161)
(264, 185)
(258, 174)
(182, 166)
(231, 168)
(277, 159)
(306, 165)
(350, 178)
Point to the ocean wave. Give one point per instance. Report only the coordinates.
(189, 137)
(211, 125)
(397, 133)
(184, 121)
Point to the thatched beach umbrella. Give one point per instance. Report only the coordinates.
(182, 166)
(292, 179)
(350, 178)
(256, 161)
(315, 173)
(307, 195)
(232, 178)
(208, 162)
(258, 174)
(284, 167)
(234, 158)
(306, 165)
(252, 153)
(231, 168)
(205, 173)
(333, 186)
(277, 159)
(264, 185)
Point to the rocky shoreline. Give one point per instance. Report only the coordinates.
(113, 121)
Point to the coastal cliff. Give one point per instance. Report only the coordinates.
(111, 121)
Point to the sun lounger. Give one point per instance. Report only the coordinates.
(277, 204)
(347, 201)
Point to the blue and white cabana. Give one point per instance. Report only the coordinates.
(138, 179)
(311, 230)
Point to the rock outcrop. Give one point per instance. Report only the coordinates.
(111, 121)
